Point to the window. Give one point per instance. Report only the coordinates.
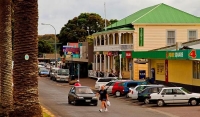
(170, 37)
(196, 69)
(131, 84)
(192, 35)
(167, 92)
(177, 91)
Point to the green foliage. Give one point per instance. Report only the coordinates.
(45, 47)
(112, 21)
(90, 39)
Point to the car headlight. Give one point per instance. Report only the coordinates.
(79, 97)
(94, 97)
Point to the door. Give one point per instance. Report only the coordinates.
(167, 95)
(179, 96)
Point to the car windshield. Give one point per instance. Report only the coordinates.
(140, 88)
(63, 72)
(185, 90)
(44, 70)
(83, 90)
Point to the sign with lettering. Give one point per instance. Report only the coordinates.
(175, 55)
(128, 54)
(160, 68)
(141, 36)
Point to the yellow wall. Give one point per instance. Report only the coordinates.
(154, 65)
(155, 36)
(179, 71)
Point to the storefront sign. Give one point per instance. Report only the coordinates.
(141, 36)
(175, 55)
(192, 54)
(166, 71)
(128, 54)
(160, 68)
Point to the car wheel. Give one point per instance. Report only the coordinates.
(146, 100)
(117, 93)
(127, 96)
(75, 103)
(95, 104)
(160, 103)
(193, 102)
(69, 102)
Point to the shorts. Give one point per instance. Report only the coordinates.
(103, 99)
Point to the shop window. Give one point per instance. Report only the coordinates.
(196, 69)
(192, 35)
(171, 37)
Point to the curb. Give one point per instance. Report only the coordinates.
(47, 111)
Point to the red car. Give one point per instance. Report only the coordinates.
(118, 89)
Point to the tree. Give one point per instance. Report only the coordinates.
(25, 73)
(44, 47)
(79, 27)
(112, 21)
(6, 55)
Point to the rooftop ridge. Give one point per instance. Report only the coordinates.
(156, 6)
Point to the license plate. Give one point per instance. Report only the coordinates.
(88, 100)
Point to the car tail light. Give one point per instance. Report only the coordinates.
(149, 97)
(132, 92)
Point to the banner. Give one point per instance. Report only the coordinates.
(141, 36)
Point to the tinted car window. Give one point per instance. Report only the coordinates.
(105, 80)
(121, 84)
(131, 84)
(167, 91)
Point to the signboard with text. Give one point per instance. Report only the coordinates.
(141, 36)
(176, 55)
(128, 54)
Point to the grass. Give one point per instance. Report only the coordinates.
(45, 114)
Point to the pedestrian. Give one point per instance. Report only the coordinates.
(77, 83)
(103, 97)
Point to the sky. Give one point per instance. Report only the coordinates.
(58, 12)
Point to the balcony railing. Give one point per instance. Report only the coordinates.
(117, 47)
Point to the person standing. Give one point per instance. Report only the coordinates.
(77, 83)
(103, 97)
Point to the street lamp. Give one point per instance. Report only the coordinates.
(55, 42)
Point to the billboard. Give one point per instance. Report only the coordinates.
(71, 50)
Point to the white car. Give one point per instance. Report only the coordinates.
(103, 81)
(133, 92)
(174, 95)
(62, 75)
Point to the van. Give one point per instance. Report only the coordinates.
(103, 81)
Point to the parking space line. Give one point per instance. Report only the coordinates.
(168, 114)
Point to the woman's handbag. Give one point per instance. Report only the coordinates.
(108, 103)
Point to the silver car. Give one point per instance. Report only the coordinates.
(62, 75)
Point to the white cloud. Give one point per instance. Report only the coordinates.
(58, 12)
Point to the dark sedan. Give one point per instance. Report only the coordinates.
(82, 95)
(144, 95)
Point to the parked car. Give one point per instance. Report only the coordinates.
(110, 85)
(122, 88)
(61, 75)
(103, 81)
(82, 95)
(174, 95)
(43, 72)
(144, 95)
(133, 92)
(52, 72)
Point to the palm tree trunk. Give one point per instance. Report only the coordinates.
(6, 57)
(1, 31)
(25, 73)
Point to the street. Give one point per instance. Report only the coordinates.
(53, 96)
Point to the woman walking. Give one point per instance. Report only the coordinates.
(103, 97)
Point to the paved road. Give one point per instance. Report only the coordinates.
(53, 96)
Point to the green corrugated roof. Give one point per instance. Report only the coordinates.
(157, 14)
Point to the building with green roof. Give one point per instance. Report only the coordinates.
(149, 28)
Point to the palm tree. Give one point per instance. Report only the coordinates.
(25, 73)
(6, 57)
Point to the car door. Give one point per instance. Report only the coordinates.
(72, 94)
(167, 95)
(179, 96)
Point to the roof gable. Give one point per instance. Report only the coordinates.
(157, 14)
